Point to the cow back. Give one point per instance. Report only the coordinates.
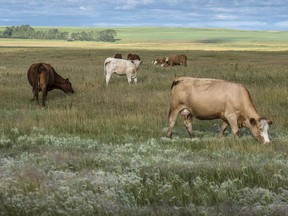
(131, 56)
(177, 60)
(118, 55)
(40, 72)
(45, 74)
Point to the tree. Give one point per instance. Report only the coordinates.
(26, 31)
(8, 32)
(107, 35)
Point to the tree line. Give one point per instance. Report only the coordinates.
(27, 32)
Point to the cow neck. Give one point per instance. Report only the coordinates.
(58, 79)
(251, 111)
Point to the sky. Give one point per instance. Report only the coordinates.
(233, 14)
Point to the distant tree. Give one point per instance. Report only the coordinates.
(56, 34)
(8, 32)
(107, 35)
(26, 32)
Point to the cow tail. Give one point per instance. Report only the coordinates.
(105, 63)
(104, 68)
(36, 79)
(169, 113)
(105, 71)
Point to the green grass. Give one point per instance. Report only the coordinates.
(103, 151)
(165, 38)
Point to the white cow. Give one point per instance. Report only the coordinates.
(121, 67)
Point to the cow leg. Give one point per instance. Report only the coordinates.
(129, 79)
(223, 128)
(35, 95)
(171, 121)
(234, 126)
(108, 76)
(135, 80)
(188, 123)
(44, 95)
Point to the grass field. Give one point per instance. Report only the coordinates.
(152, 38)
(103, 150)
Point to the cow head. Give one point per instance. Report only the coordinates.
(159, 61)
(259, 129)
(137, 63)
(155, 61)
(67, 86)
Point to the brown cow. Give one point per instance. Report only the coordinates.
(208, 99)
(118, 55)
(176, 60)
(159, 61)
(131, 56)
(42, 77)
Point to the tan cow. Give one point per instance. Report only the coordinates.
(208, 99)
(176, 60)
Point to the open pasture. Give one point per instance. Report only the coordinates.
(155, 38)
(103, 149)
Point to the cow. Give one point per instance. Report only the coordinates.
(176, 60)
(159, 61)
(43, 77)
(121, 67)
(208, 99)
(131, 56)
(118, 55)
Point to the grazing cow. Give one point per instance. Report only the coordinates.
(176, 60)
(42, 77)
(121, 67)
(159, 61)
(117, 55)
(131, 56)
(208, 99)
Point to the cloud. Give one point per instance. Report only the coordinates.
(130, 4)
(185, 13)
(226, 17)
(282, 24)
(245, 25)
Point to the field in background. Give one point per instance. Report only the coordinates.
(171, 38)
(103, 149)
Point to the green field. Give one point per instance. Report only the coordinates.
(153, 38)
(103, 150)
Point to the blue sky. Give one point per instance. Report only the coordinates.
(235, 14)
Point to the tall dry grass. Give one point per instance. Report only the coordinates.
(99, 111)
(103, 149)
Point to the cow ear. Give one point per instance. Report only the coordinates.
(141, 62)
(67, 80)
(253, 121)
(269, 122)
